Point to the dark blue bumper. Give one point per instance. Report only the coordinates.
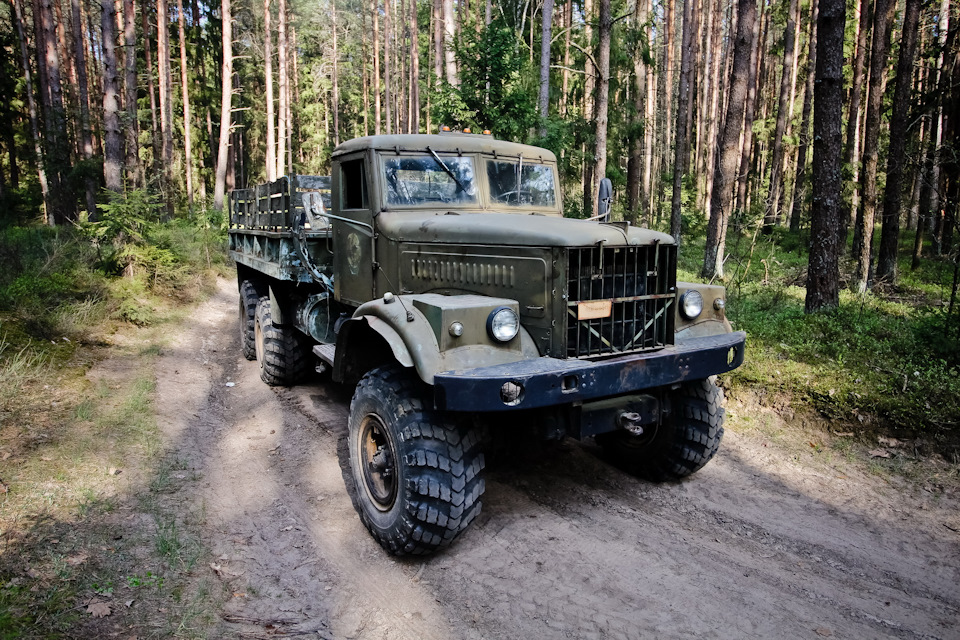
(547, 382)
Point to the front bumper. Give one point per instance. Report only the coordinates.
(547, 382)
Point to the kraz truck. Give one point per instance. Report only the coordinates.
(438, 274)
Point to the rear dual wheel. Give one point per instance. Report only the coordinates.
(282, 352)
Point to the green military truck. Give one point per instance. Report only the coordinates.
(438, 274)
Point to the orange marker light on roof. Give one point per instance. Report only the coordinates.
(444, 128)
(467, 130)
(486, 132)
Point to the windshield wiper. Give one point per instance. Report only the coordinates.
(447, 169)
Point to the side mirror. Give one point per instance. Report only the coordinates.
(604, 200)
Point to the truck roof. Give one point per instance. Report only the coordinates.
(453, 141)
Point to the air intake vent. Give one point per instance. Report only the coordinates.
(620, 299)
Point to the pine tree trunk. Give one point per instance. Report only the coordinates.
(749, 113)
(185, 93)
(823, 270)
(603, 93)
(55, 121)
(681, 151)
(799, 183)
(132, 124)
(32, 109)
(268, 81)
(649, 129)
(284, 94)
(86, 135)
(148, 58)
(378, 107)
(543, 104)
(589, 92)
(335, 75)
(565, 75)
(414, 69)
(226, 94)
(775, 195)
(728, 146)
(634, 165)
(851, 151)
(112, 158)
(882, 26)
(899, 132)
(387, 64)
(166, 100)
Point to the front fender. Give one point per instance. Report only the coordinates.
(417, 341)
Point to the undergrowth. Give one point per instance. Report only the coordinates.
(884, 362)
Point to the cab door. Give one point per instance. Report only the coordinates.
(353, 200)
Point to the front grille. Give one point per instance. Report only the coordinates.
(631, 291)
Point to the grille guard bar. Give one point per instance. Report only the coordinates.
(546, 382)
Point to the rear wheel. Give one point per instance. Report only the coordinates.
(686, 440)
(282, 351)
(249, 298)
(414, 476)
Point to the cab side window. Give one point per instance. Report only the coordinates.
(353, 185)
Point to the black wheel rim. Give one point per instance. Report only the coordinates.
(377, 461)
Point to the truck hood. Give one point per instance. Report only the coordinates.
(511, 229)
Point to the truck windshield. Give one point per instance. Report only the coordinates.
(521, 183)
(413, 180)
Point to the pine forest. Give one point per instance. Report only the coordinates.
(717, 118)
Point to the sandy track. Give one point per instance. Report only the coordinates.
(757, 545)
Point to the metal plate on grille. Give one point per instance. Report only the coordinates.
(593, 309)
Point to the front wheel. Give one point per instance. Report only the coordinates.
(681, 445)
(414, 475)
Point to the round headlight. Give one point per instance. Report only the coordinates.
(503, 324)
(691, 304)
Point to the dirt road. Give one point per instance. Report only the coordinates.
(762, 543)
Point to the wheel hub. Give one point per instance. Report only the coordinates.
(377, 462)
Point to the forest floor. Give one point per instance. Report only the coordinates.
(236, 524)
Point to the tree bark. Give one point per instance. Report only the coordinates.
(282, 82)
(543, 103)
(851, 151)
(449, 33)
(414, 69)
(725, 170)
(86, 135)
(226, 94)
(681, 151)
(387, 64)
(603, 94)
(32, 108)
(799, 183)
(185, 93)
(899, 131)
(268, 81)
(749, 112)
(335, 75)
(148, 58)
(882, 25)
(775, 195)
(166, 100)
(132, 124)
(112, 158)
(823, 269)
(55, 121)
(378, 107)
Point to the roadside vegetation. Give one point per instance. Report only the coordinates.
(92, 539)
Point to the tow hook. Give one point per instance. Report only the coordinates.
(630, 420)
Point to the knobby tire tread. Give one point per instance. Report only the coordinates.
(286, 358)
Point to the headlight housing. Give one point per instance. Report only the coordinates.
(503, 324)
(691, 304)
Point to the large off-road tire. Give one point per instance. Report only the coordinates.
(414, 474)
(249, 298)
(681, 445)
(282, 351)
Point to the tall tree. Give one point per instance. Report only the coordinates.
(728, 152)
(899, 131)
(851, 152)
(271, 151)
(863, 240)
(823, 269)
(335, 107)
(226, 107)
(112, 158)
(603, 94)
(32, 108)
(414, 70)
(185, 94)
(775, 195)
(148, 58)
(86, 134)
(681, 152)
(799, 183)
(166, 98)
(131, 125)
(543, 103)
(283, 80)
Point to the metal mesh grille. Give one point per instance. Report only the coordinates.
(629, 289)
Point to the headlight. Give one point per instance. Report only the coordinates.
(691, 304)
(503, 324)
